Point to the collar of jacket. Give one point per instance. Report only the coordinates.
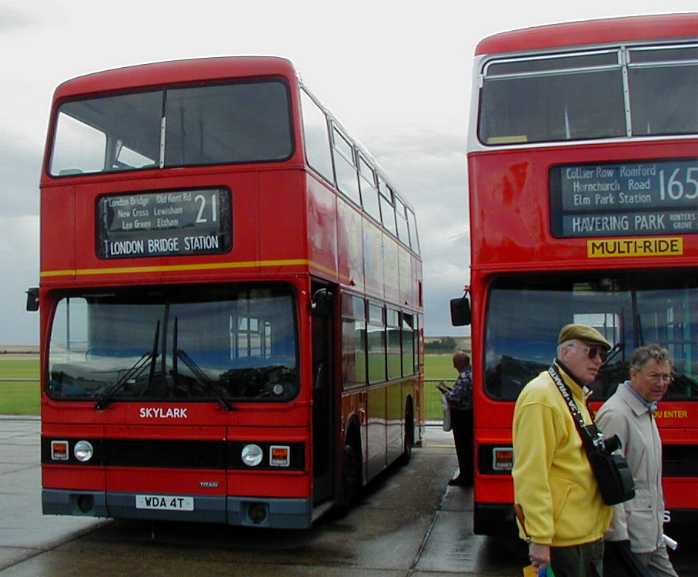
(639, 405)
(580, 391)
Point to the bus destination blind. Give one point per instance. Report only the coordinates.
(633, 198)
(167, 223)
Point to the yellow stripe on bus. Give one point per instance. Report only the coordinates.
(188, 267)
(628, 247)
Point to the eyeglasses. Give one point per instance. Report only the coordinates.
(593, 350)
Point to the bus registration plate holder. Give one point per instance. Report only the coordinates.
(165, 502)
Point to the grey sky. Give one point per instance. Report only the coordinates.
(397, 74)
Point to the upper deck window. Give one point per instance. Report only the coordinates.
(345, 166)
(387, 206)
(663, 84)
(623, 92)
(552, 98)
(317, 137)
(401, 217)
(414, 235)
(369, 190)
(217, 124)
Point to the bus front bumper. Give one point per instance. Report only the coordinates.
(241, 511)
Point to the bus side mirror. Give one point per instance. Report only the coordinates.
(460, 311)
(321, 302)
(33, 299)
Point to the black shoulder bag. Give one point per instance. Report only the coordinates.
(610, 469)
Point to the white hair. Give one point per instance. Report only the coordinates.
(566, 345)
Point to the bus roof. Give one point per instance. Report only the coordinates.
(612, 30)
(174, 72)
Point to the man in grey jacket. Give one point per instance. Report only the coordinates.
(629, 413)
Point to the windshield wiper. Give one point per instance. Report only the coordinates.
(203, 379)
(108, 395)
(617, 348)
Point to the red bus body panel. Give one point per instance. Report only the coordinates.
(613, 30)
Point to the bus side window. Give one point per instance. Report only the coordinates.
(353, 341)
(414, 235)
(387, 208)
(408, 365)
(394, 353)
(345, 167)
(369, 190)
(376, 343)
(401, 218)
(317, 137)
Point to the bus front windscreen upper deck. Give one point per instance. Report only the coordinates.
(217, 124)
(211, 344)
(610, 93)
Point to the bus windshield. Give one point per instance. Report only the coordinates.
(641, 91)
(200, 125)
(213, 343)
(525, 314)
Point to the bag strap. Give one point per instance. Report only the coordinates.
(589, 439)
(554, 372)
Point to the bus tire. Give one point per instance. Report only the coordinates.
(352, 468)
(408, 442)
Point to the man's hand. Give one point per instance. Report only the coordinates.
(539, 554)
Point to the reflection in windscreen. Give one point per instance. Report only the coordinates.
(217, 124)
(525, 314)
(175, 344)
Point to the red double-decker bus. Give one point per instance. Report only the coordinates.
(583, 183)
(231, 300)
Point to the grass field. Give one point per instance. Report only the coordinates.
(21, 397)
(436, 368)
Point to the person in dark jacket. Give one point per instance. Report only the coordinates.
(460, 401)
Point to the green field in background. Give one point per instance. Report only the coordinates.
(19, 368)
(17, 395)
(22, 397)
(436, 367)
(19, 398)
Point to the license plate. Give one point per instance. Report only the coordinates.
(165, 502)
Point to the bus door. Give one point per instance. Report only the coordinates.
(324, 406)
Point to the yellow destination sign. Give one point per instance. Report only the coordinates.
(624, 247)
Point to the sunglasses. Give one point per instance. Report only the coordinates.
(593, 350)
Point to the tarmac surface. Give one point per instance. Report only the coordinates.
(409, 523)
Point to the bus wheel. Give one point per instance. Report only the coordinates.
(351, 476)
(409, 436)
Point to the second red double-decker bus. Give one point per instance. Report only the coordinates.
(230, 300)
(583, 177)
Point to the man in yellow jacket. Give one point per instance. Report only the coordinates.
(564, 517)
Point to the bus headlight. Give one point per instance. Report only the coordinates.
(252, 455)
(83, 451)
